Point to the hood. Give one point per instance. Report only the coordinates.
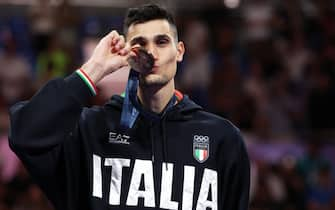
(181, 111)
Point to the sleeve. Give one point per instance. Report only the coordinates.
(236, 177)
(44, 135)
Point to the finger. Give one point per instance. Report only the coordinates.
(113, 34)
(115, 47)
(135, 47)
(121, 43)
(120, 61)
(115, 40)
(126, 50)
(109, 37)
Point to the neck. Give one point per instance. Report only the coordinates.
(155, 98)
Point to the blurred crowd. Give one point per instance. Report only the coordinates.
(267, 66)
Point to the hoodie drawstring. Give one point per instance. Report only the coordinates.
(134, 108)
(164, 141)
(152, 142)
(156, 118)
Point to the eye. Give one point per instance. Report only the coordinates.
(141, 42)
(162, 41)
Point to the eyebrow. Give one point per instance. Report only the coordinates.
(141, 39)
(137, 40)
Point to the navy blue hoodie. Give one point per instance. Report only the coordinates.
(189, 159)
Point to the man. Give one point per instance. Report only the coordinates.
(172, 155)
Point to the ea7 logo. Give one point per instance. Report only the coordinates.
(200, 148)
(117, 138)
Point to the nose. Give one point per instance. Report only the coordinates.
(151, 48)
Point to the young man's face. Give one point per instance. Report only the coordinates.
(158, 38)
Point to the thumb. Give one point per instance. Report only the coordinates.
(116, 62)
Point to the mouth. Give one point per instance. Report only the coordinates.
(154, 69)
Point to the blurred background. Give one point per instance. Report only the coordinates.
(266, 65)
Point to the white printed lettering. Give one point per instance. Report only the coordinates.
(209, 181)
(188, 187)
(142, 167)
(142, 184)
(97, 178)
(116, 178)
(166, 188)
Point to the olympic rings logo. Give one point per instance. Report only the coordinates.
(200, 138)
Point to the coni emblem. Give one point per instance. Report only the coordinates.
(200, 148)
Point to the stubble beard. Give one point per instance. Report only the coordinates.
(153, 80)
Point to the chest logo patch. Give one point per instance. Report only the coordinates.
(116, 138)
(200, 148)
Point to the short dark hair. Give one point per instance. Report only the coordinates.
(146, 13)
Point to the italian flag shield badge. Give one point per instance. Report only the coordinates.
(200, 148)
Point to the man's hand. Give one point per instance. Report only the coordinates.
(109, 55)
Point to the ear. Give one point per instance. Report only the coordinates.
(180, 51)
